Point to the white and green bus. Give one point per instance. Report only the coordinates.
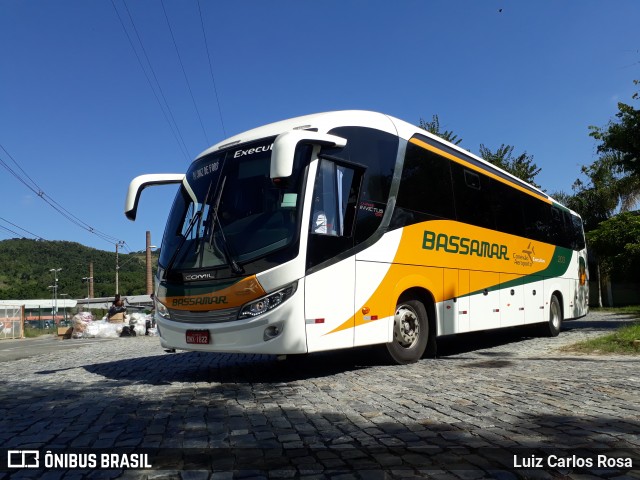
(353, 228)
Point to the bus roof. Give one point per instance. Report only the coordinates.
(326, 121)
(323, 122)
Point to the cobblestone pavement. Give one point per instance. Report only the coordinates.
(343, 415)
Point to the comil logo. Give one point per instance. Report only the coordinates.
(23, 459)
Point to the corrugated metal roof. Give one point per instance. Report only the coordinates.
(91, 303)
(41, 303)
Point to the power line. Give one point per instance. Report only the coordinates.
(15, 174)
(11, 231)
(173, 125)
(213, 80)
(184, 72)
(20, 168)
(35, 188)
(38, 237)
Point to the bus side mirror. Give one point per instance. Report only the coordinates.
(285, 144)
(143, 181)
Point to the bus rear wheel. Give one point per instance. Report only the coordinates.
(552, 328)
(410, 332)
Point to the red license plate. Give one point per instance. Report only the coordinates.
(198, 337)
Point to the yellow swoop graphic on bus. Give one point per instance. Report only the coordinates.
(440, 248)
(448, 244)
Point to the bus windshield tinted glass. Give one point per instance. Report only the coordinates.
(231, 211)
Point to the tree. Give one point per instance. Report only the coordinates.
(622, 137)
(617, 243)
(22, 278)
(520, 166)
(606, 190)
(595, 199)
(434, 127)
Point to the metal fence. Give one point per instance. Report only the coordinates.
(11, 321)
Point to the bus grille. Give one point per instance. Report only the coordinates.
(212, 316)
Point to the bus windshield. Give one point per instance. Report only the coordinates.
(231, 211)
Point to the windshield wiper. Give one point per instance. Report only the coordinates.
(195, 218)
(237, 269)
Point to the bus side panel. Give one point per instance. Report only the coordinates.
(485, 301)
(329, 306)
(375, 325)
(463, 303)
(427, 279)
(582, 300)
(374, 290)
(579, 286)
(572, 292)
(450, 313)
(560, 285)
(380, 302)
(511, 300)
(534, 300)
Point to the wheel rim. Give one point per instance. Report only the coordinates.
(555, 315)
(406, 327)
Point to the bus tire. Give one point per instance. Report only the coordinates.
(552, 328)
(410, 332)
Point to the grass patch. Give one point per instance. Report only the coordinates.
(37, 332)
(625, 340)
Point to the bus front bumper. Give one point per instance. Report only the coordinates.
(279, 331)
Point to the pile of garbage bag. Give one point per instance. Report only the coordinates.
(135, 324)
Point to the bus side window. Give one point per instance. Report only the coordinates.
(537, 217)
(557, 227)
(472, 197)
(573, 227)
(508, 209)
(334, 200)
(333, 212)
(425, 190)
(578, 232)
(376, 151)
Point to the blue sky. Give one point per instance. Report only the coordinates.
(78, 115)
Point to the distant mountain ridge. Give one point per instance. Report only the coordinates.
(25, 265)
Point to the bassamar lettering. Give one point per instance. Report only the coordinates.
(463, 246)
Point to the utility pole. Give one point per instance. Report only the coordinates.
(55, 292)
(90, 293)
(148, 260)
(89, 281)
(65, 306)
(117, 265)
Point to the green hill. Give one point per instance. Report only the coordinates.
(25, 266)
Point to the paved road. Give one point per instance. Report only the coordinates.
(344, 415)
(30, 347)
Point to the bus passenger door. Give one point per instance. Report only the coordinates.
(329, 306)
(330, 280)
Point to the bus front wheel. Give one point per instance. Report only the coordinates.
(410, 332)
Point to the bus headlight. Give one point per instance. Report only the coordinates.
(271, 301)
(161, 309)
